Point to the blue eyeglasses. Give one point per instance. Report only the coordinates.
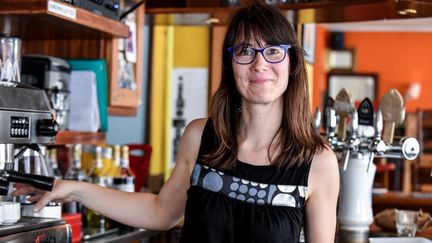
(244, 54)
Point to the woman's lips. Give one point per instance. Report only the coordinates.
(260, 81)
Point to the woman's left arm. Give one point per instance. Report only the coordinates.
(323, 196)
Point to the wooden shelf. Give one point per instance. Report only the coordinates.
(288, 6)
(122, 111)
(31, 19)
(72, 137)
(326, 11)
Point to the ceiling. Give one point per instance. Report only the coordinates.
(391, 25)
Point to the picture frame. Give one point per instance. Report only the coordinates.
(360, 85)
(308, 41)
(126, 79)
(341, 60)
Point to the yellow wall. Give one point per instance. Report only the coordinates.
(191, 46)
(161, 62)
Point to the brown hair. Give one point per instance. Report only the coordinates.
(298, 140)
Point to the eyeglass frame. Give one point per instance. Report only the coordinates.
(286, 47)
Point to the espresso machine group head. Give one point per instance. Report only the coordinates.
(27, 121)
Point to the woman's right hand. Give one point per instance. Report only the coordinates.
(62, 192)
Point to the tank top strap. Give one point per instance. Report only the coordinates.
(208, 139)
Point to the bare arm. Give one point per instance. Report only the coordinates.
(321, 205)
(145, 210)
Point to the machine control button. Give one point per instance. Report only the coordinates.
(47, 127)
(18, 125)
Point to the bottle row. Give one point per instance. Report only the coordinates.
(103, 165)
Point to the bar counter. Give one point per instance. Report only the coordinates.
(409, 201)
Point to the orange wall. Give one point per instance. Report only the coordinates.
(399, 59)
(320, 78)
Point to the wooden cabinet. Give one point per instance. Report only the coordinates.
(56, 28)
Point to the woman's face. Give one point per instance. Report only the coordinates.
(261, 82)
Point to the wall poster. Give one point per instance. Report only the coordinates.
(188, 101)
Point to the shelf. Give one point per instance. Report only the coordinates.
(122, 111)
(32, 19)
(287, 6)
(326, 11)
(72, 137)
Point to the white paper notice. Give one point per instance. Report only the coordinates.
(62, 9)
(84, 108)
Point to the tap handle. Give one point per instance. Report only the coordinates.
(366, 112)
(333, 119)
(317, 119)
(346, 159)
(331, 122)
(41, 182)
(329, 103)
(378, 124)
(371, 157)
(354, 122)
(344, 104)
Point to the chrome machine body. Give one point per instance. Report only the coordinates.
(27, 122)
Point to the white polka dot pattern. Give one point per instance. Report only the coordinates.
(248, 191)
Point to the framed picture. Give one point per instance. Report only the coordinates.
(360, 85)
(126, 77)
(341, 60)
(308, 41)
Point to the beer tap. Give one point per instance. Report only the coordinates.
(352, 144)
(407, 148)
(365, 139)
(331, 124)
(377, 146)
(393, 112)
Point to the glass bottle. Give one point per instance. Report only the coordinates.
(97, 176)
(116, 161)
(75, 171)
(124, 179)
(53, 164)
(107, 161)
(97, 165)
(125, 170)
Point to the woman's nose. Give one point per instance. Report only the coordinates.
(259, 64)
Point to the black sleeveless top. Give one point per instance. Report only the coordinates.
(253, 204)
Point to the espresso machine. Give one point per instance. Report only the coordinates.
(27, 122)
(369, 134)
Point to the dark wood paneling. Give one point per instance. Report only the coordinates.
(30, 19)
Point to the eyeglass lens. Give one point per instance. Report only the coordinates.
(245, 54)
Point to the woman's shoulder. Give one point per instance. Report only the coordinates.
(324, 155)
(191, 140)
(196, 126)
(193, 131)
(324, 169)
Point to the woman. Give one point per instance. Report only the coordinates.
(256, 170)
